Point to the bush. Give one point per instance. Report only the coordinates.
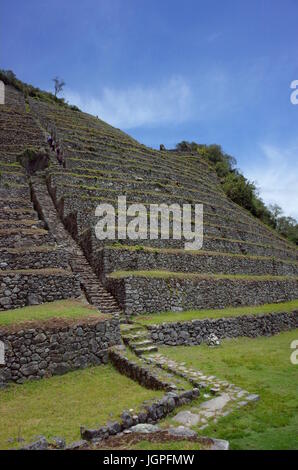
(240, 190)
(9, 78)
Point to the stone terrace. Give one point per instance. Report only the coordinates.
(102, 163)
(48, 251)
(33, 268)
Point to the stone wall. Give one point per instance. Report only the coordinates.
(197, 331)
(36, 258)
(136, 372)
(138, 294)
(108, 260)
(221, 239)
(12, 238)
(55, 347)
(219, 245)
(18, 288)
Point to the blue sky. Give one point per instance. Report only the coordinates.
(164, 71)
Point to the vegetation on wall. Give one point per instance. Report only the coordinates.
(34, 159)
(9, 78)
(238, 188)
(242, 191)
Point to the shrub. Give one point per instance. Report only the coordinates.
(242, 191)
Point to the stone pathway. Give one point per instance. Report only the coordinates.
(228, 397)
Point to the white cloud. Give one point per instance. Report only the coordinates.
(138, 106)
(277, 177)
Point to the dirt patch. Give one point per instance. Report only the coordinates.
(126, 441)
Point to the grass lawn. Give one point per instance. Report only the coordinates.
(59, 405)
(168, 317)
(259, 365)
(58, 309)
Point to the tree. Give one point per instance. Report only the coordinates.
(288, 227)
(184, 146)
(276, 210)
(58, 84)
(240, 190)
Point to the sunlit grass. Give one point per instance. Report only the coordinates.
(189, 315)
(58, 406)
(260, 365)
(59, 309)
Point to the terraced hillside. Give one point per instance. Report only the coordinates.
(242, 261)
(150, 298)
(33, 267)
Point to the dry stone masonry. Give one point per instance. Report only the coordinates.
(194, 332)
(111, 259)
(49, 250)
(141, 294)
(19, 288)
(55, 347)
(227, 396)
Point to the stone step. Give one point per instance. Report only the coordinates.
(140, 344)
(136, 337)
(132, 327)
(144, 350)
(95, 292)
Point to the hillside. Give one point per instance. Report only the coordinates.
(110, 304)
(102, 162)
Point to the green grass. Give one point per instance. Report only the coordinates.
(36, 272)
(259, 365)
(181, 275)
(181, 251)
(59, 309)
(23, 231)
(60, 405)
(169, 317)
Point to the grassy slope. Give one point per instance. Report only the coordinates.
(189, 315)
(159, 274)
(259, 365)
(59, 405)
(58, 309)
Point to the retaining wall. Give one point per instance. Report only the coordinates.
(37, 258)
(18, 289)
(137, 294)
(55, 347)
(108, 260)
(197, 331)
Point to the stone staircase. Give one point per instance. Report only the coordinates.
(95, 293)
(217, 397)
(136, 337)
